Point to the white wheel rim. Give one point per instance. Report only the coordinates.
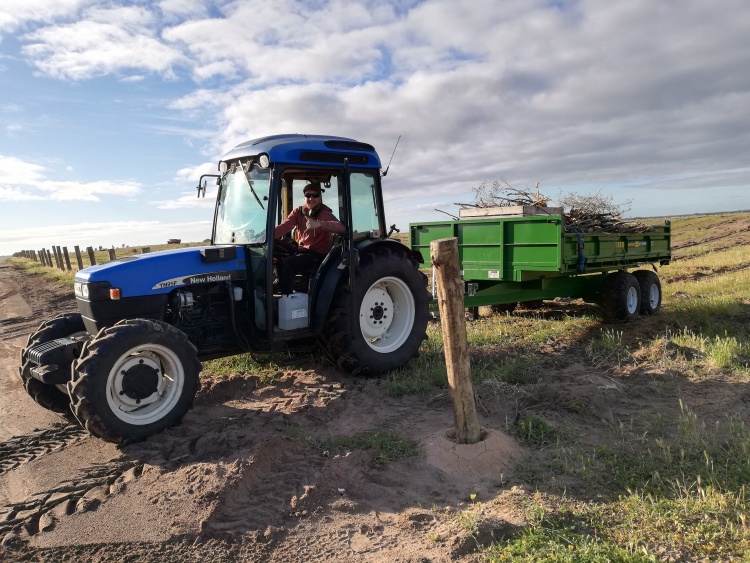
(386, 315)
(165, 384)
(632, 300)
(653, 295)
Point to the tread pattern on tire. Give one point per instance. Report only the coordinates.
(647, 279)
(83, 387)
(353, 354)
(48, 396)
(613, 297)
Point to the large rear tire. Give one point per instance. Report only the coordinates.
(650, 286)
(134, 380)
(391, 301)
(48, 396)
(620, 297)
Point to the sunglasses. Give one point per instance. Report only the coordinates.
(312, 196)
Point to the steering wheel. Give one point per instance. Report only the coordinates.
(283, 247)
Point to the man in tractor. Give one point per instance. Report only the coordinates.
(316, 224)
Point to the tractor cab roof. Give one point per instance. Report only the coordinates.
(306, 150)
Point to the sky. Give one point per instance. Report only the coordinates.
(110, 111)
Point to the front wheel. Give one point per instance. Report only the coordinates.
(650, 286)
(134, 380)
(620, 297)
(390, 301)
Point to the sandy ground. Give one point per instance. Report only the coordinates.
(230, 483)
(234, 482)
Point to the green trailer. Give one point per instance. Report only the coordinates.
(508, 260)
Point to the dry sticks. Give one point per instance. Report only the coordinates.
(588, 213)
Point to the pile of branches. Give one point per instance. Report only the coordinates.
(588, 213)
(505, 195)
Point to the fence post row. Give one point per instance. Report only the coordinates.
(59, 257)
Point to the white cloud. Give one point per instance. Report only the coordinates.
(17, 13)
(106, 41)
(15, 194)
(20, 180)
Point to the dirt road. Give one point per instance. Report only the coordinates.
(232, 482)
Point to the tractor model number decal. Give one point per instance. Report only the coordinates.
(193, 279)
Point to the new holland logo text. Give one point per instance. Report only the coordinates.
(194, 279)
(208, 279)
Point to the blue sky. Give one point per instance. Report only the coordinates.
(110, 111)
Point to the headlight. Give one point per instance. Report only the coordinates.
(263, 161)
(95, 291)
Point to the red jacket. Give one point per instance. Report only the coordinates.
(320, 239)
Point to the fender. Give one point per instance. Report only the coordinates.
(329, 275)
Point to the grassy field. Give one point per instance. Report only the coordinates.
(644, 457)
(646, 483)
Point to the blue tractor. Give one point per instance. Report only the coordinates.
(127, 364)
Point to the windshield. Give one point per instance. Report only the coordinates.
(241, 208)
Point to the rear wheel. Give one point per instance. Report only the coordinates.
(650, 286)
(620, 297)
(390, 300)
(48, 396)
(134, 380)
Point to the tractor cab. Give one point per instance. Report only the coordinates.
(260, 183)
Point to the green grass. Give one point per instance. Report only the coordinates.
(262, 365)
(387, 445)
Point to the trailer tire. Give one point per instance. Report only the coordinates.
(650, 291)
(620, 297)
(134, 380)
(48, 396)
(391, 298)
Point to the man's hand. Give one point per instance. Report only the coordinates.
(313, 223)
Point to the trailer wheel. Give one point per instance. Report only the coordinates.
(650, 291)
(134, 380)
(391, 301)
(620, 297)
(48, 396)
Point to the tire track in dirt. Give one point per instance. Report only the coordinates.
(85, 492)
(22, 449)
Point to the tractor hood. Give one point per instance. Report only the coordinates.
(163, 271)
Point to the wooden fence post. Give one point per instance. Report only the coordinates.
(60, 263)
(450, 291)
(78, 257)
(48, 254)
(92, 258)
(112, 254)
(67, 258)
